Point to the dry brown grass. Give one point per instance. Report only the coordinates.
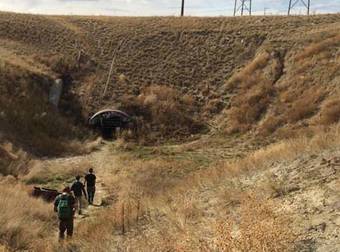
(173, 206)
(12, 161)
(317, 48)
(248, 108)
(27, 117)
(269, 125)
(257, 227)
(163, 111)
(330, 112)
(24, 221)
(304, 105)
(245, 77)
(54, 175)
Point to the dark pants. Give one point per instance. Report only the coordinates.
(79, 204)
(65, 225)
(90, 193)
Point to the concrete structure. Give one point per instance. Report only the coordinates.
(55, 92)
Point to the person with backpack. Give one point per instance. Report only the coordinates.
(90, 180)
(64, 205)
(78, 190)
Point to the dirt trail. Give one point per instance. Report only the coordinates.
(97, 161)
(90, 211)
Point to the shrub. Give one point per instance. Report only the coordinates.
(269, 125)
(316, 48)
(330, 112)
(245, 77)
(165, 110)
(304, 105)
(248, 109)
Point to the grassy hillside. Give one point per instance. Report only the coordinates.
(209, 60)
(238, 140)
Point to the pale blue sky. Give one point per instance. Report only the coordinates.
(157, 7)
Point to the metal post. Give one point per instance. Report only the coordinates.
(242, 8)
(235, 6)
(308, 7)
(182, 10)
(289, 7)
(250, 3)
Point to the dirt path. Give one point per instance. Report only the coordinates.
(97, 161)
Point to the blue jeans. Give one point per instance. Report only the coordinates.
(90, 193)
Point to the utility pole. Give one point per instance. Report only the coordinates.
(293, 3)
(242, 6)
(182, 9)
(265, 11)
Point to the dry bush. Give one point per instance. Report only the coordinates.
(269, 125)
(317, 48)
(248, 108)
(304, 105)
(12, 161)
(256, 228)
(245, 77)
(24, 221)
(330, 112)
(254, 92)
(163, 109)
(213, 106)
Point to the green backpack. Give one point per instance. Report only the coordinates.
(64, 208)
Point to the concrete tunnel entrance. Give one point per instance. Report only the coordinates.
(110, 122)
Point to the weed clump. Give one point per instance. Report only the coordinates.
(163, 112)
(330, 112)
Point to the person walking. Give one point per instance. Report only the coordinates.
(78, 190)
(90, 181)
(64, 206)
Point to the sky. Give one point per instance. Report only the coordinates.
(160, 7)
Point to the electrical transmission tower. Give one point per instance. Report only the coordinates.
(293, 3)
(242, 7)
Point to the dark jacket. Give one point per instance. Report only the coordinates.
(71, 202)
(78, 189)
(90, 180)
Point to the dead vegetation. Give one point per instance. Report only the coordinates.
(162, 112)
(254, 93)
(257, 227)
(24, 221)
(318, 47)
(330, 112)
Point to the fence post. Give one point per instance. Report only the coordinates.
(123, 220)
